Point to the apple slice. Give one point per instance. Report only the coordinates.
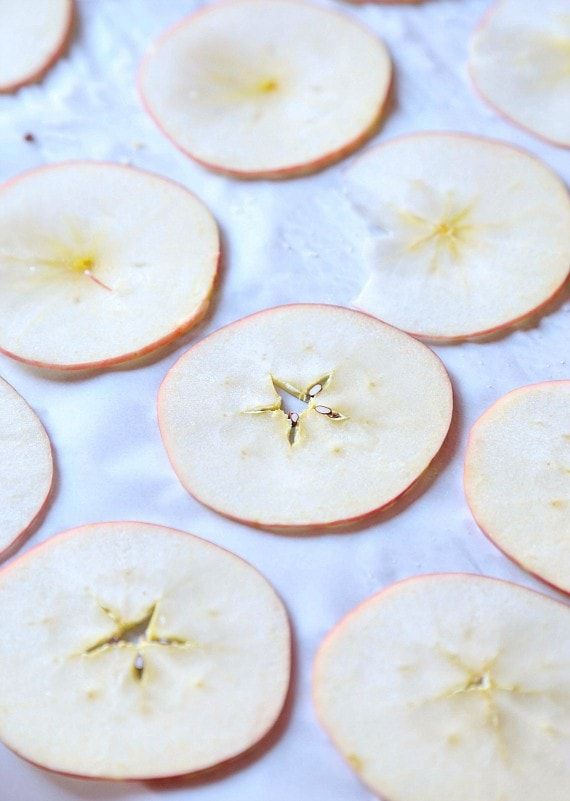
(136, 651)
(517, 478)
(472, 235)
(519, 63)
(451, 687)
(33, 35)
(99, 264)
(371, 408)
(266, 88)
(26, 469)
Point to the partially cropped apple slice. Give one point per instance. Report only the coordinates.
(451, 687)
(303, 416)
(136, 651)
(519, 62)
(471, 235)
(33, 35)
(517, 478)
(26, 469)
(266, 88)
(100, 264)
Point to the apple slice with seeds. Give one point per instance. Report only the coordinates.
(256, 88)
(519, 62)
(26, 469)
(99, 264)
(517, 478)
(449, 687)
(472, 235)
(136, 651)
(303, 416)
(33, 35)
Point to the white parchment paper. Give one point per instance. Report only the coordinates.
(292, 241)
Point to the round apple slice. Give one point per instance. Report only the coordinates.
(517, 478)
(519, 63)
(256, 88)
(99, 264)
(451, 687)
(33, 35)
(26, 469)
(136, 651)
(472, 235)
(303, 416)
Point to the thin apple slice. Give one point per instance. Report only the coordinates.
(33, 35)
(519, 62)
(26, 469)
(256, 88)
(135, 651)
(472, 235)
(376, 407)
(517, 478)
(451, 687)
(99, 264)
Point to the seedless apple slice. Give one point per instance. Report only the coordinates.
(374, 406)
(99, 264)
(472, 235)
(136, 651)
(26, 468)
(519, 63)
(33, 35)
(517, 478)
(255, 88)
(451, 687)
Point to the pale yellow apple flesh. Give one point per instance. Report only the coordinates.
(135, 651)
(451, 688)
(256, 88)
(100, 263)
(376, 407)
(469, 235)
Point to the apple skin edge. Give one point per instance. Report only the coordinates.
(301, 528)
(62, 47)
(264, 741)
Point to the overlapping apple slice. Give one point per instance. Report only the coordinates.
(371, 408)
(26, 469)
(33, 35)
(99, 264)
(519, 62)
(266, 88)
(472, 235)
(517, 478)
(451, 687)
(136, 651)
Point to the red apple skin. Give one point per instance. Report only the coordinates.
(207, 769)
(183, 328)
(293, 170)
(489, 536)
(503, 327)
(471, 72)
(55, 56)
(301, 528)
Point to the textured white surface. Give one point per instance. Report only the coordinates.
(294, 241)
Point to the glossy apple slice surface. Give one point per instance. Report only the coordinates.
(469, 235)
(519, 63)
(33, 35)
(100, 264)
(137, 651)
(26, 468)
(451, 687)
(517, 478)
(374, 406)
(255, 88)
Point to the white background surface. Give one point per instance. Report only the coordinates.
(292, 241)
